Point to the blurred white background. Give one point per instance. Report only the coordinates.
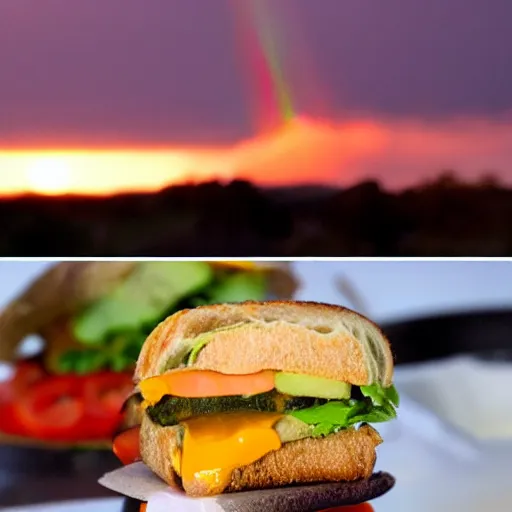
(391, 290)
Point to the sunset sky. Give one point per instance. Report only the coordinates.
(104, 95)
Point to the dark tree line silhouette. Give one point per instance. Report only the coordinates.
(444, 217)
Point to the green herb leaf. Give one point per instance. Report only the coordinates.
(67, 361)
(334, 412)
(82, 361)
(381, 395)
(376, 415)
(392, 395)
(120, 362)
(323, 429)
(334, 415)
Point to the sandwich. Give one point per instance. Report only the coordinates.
(92, 319)
(265, 395)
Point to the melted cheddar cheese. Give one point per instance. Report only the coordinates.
(215, 445)
(153, 389)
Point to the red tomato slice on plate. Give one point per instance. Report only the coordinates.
(52, 409)
(126, 445)
(9, 423)
(27, 374)
(6, 392)
(104, 395)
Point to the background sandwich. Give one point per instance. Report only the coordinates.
(259, 395)
(93, 318)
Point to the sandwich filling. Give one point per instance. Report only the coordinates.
(224, 422)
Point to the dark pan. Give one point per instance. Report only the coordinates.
(483, 333)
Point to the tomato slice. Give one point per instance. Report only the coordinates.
(205, 383)
(126, 446)
(104, 395)
(27, 374)
(6, 392)
(52, 409)
(65, 408)
(9, 423)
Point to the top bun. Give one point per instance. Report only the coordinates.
(300, 337)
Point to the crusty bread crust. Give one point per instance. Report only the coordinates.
(302, 337)
(158, 447)
(346, 456)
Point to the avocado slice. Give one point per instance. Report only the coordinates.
(291, 429)
(306, 385)
(142, 299)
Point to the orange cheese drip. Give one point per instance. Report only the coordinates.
(215, 445)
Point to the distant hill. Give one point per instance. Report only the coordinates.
(301, 193)
(442, 218)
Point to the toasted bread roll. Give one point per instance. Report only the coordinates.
(301, 337)
(160, 450)
(346, 456)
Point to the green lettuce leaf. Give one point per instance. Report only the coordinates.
(238, 287)
(378, 406)
(141, 299)
(381, 395)
(201, 343)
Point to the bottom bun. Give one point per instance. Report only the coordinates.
(346, 456)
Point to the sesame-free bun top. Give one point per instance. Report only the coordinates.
(299, 337)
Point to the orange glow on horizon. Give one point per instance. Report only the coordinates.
(95, 172)
(286, 155)
(399, 154)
